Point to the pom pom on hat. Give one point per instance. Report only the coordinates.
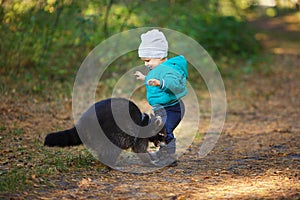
(154, 45)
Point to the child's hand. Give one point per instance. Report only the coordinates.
(153, 82)
(139, 75)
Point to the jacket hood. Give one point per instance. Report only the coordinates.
(179, 63)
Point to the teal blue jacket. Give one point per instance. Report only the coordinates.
(172, 75)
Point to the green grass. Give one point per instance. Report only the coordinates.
(38, 166)
(17, 131)
(198, 137)
(2, 128)
(13, 180)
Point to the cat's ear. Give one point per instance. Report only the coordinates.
(158, 121)
(145, 119)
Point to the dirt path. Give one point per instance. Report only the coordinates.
(256, 157)
(280, 35)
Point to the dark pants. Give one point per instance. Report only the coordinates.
(171, 116)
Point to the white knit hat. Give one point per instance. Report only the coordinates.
(154, 45)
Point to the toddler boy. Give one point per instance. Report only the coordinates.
(165, 86)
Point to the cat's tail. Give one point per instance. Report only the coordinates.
(64, 138)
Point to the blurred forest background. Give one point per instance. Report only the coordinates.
(43, 42)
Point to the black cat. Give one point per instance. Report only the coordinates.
(109, 126)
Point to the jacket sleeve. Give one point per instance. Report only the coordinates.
(174, 83)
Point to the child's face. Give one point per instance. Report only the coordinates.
(153, 62)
